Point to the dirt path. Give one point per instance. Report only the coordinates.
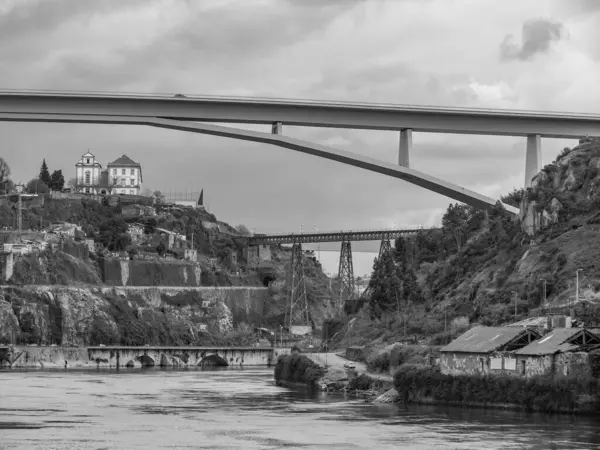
(333, 360)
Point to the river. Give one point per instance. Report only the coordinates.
(243, 409)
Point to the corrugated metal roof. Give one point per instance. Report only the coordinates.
(531, 322)
(484, 339)
(551, 343)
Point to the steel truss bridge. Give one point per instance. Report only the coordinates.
(297, 313)
(330, 236)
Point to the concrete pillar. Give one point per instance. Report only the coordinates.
(405, 148)
(277, 128)
(533, 158)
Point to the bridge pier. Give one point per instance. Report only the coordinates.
(405, 148)
(533, 158)
(297, 317)
(385, 246)
(346, 272)
(277, 128)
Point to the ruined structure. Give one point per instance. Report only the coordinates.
(562, 351)
(485, 350)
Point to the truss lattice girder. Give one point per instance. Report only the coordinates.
(309, 238)
(346, 272)
(297, 312)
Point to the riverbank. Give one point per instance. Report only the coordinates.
(570, 395)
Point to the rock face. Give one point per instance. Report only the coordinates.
(46, 315)
(572, 179)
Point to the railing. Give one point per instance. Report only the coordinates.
(313, 232)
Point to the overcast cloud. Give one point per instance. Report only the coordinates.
(434, 52)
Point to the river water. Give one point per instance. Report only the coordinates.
(243, 409)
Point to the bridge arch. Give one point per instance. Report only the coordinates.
(213, 360)
(146, 361)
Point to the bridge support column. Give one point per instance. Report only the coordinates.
(405, 148)
(297, 317)
(533, 158)
(385, 246)
(346, 273)
(277, 128)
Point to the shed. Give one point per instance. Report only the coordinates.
(562, 351)
(484, 350)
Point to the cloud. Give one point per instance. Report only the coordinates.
(537, 37)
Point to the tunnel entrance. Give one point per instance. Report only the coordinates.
(267, 280)
(213, 360)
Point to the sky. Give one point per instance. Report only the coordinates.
(525, 54)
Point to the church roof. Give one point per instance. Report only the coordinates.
(124, 161)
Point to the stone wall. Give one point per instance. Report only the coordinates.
(498, 363)
(118, 272)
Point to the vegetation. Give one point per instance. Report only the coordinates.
(297, 368)
(418, 384)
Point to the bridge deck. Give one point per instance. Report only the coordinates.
(309, 238)
(309, 113)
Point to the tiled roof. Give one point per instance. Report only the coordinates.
(484, 339)
(124, 161)
(553, 342)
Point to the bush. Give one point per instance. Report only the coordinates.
(545, 394)
(296, 368)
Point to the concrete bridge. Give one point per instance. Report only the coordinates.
(180, 112)
(123, 356)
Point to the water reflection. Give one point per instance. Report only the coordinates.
(231, 408)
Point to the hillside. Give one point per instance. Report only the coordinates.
(67, 289)
(481, 264)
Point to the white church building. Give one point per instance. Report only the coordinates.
(122, 176)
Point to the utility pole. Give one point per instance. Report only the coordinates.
(544, 294)
(576, 291)
(19, 212)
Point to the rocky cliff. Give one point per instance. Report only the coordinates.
(75, 316)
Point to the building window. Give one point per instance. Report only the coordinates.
(87, 190)
(132, 172)
(115, 172)
(131, 191)
(87, 161)
(88, 177)
(481, 364)
(122, 182)
(523, 367)
(122, 171)
(132, 181)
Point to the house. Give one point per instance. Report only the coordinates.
(175, 240)
(136, 231)
(190, 254)
(125, 176)
(122, 176)
(562, 351)
(485, 350)
(88, 172)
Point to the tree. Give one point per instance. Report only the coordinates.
(150, 225)
(159, 198)
(4, 174)
(45, 174)
(72, 183)
(455, 223)
(36, 186)
(110, 231)
(57, 181)
(242, 229)
(160, 248)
